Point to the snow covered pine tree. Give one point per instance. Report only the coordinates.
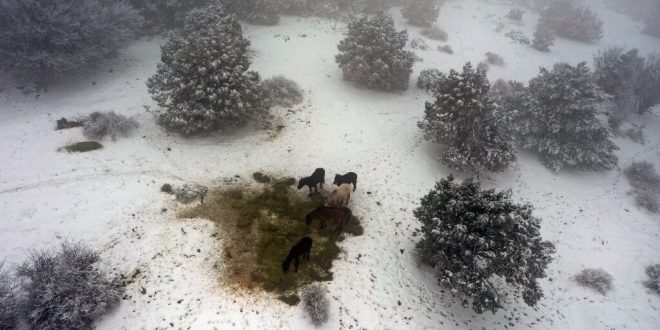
(561, 122)
(372, 54)
(421, 12)
(465, 119)
(471, 235)
(544, 36)
(203, 83)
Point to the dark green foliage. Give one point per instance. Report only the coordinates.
(42, 40)
(464, 117)
(570, 21)
(544, 37)
(160, 14)
(372, 54)
(560, 120)
(202, 83)
(472, 237)
(83, 146)
(66, 124)
(421, 12)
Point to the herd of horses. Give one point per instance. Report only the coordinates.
(334, 213)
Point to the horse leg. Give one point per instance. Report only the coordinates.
(296, 263)
(354, 186)
(310, 190)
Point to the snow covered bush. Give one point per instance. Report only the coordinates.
(571, 21)
(64, 290)
(419, 43)
(264, 12)
(421, 12)
(435, 33)
(316, 304)
(518, 36)
(446, 49)
(544, 37)
(282, 91)
(653, 283)
(430, 80)
(166, 13)
(494, 59)
(649, 92)
(41, 40)
(515, 14)
(562, 123)
(473, 237)
(101, 124)
(595, 278)
(372, 54)
(8, 299)
(464, 117)
(645, 182)
(202, 83)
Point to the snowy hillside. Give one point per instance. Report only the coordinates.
(111, 198)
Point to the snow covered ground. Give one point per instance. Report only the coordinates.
(110, 198)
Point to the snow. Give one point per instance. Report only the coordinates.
(110, 198)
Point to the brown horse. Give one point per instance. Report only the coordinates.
(336, 216)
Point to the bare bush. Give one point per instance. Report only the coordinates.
(103, 124)
(189, 192)
(8, 300)
(282, 91)
(64, 290)
(595, 278)
(645, 182)
(316, 304)
(653, 283)
(435, 33)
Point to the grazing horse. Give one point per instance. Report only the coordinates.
(302, 248)
(337, 216)
(318, 177)
(349, 177)
(340, 196)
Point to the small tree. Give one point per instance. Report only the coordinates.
(619, 74)
(572, 22)
(472, 236)
(431, 80)
(203, 83)
(421, 12)
(372, 54)
(645, 182)
(561, 121)
(653, 283)
(64, 290)
(464, 117)
(316, 304)
(544, 37)
(8, 299)
(42, 40)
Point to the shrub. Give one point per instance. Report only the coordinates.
(372, 54)
(653, 283)
(515, 14)
(316, 304)
(8, 300)
(41, 40)
(470, 236)
(561, 120)
(189, 192)
(597, 279)
(464, 118)
(446, 49)
(430, 80)
(421, 12)
(572, 22)
(161, 14)
(282, 91)
(544, 37)
(645, 182)
(64, 290)
(518, 36)
(369, 6)
(435, 33)
(202, 83)
(419, 43)
(265, 12)
(494, 59)
(101, 124)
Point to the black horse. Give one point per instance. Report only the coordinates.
(349, 177)
(303, 247)
(318, 177)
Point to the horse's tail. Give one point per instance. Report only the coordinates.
(308, 219)
(287, 262)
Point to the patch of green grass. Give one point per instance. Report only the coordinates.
(83, 146)
(261, 225)
(260, 177)
(290, 300)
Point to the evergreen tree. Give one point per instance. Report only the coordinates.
(562, 123)
(372, 54)
(202, 83)
(464, 117)
(421, 12)
(41, 40)
(166, 13)
(570, 21)
(471, 235)
(544, 37)
(619, 74)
